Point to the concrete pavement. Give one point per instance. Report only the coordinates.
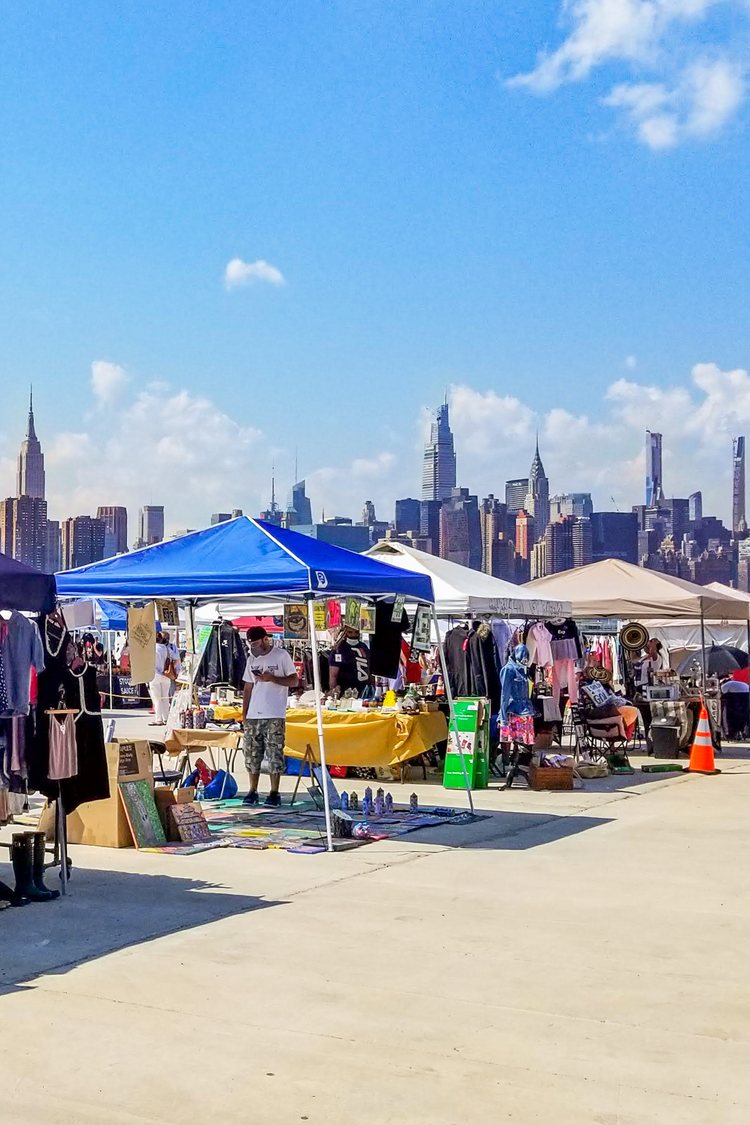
(573, 958)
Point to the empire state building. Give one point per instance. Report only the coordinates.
(30, 477)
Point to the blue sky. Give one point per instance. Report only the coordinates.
(443, 207)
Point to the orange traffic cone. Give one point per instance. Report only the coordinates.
(702, 752)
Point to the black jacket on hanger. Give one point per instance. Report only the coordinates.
(457, 659)
(483, 663)
(224, 658)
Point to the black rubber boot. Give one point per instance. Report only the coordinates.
(7, 896)
(39, 839)
(22, 856)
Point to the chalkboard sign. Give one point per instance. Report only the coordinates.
(128, 763)
(143, 817)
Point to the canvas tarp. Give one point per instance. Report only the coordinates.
(613, 588)
(462, 592)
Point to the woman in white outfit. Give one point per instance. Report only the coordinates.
(160, 685)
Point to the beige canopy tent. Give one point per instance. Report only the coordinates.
(613, 588)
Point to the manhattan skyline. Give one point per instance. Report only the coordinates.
(398, 199)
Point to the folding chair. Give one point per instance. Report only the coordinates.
(165, 777)
(594, 737)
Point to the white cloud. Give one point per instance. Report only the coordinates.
(631, 362)
(705, 98)
(692, 93)
(239, 273)
(107, 380)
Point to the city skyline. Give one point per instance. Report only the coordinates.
(353, 240)
(429, 425)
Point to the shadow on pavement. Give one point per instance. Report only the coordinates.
(106, 911)
(508, 831)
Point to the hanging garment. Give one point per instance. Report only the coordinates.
(565, 639)
(22, 649)
(385, 642)
(63, 752)
(502, 633)
(564, 676)
(3, 687)
(539, 643)
(457, 658)
(59, 685)
(224, 658)
(142, 642)
(484, 678)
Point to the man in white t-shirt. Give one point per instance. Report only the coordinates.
(269, 674)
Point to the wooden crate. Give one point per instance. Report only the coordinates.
(550, 777)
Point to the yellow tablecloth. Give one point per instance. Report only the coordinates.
(362, 738)
(183, 739)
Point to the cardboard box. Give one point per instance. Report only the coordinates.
(103, 824)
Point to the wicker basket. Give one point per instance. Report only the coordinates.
(550, 777)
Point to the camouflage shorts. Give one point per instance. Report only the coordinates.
(264, 738)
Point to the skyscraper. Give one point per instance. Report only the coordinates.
(407, 516)
(570, 504)
(493, 516)
(23, 530)
(368, 514)
(739, 522)
(537, 497)
(429, 523)
(460, 529)
(583, 545)
(82, 541)
(30, 476)
(654, 482)
(615, 536)
(515, 494)
(299, 509)
(54, 547)
(439, 467)
(151, 524)
(695, 507)
(115, 520)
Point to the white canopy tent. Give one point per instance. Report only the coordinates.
(463, 592)
(683, 638)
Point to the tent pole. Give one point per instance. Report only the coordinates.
(319, 716)
(703, 649)
(109, 665)
(452, 734)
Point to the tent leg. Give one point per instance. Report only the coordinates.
(319, 715)
(703, 651)
(110, 648)
(452, 734)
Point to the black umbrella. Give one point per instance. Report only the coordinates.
(721, 661)
(740, 656)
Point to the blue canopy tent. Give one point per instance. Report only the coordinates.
(240, 557)
(248, 558)
(108, 616)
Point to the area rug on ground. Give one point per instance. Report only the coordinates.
(302, 828)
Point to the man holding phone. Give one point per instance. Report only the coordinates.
(269, 674)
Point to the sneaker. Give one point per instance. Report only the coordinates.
(251, 799)
(273, 800)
